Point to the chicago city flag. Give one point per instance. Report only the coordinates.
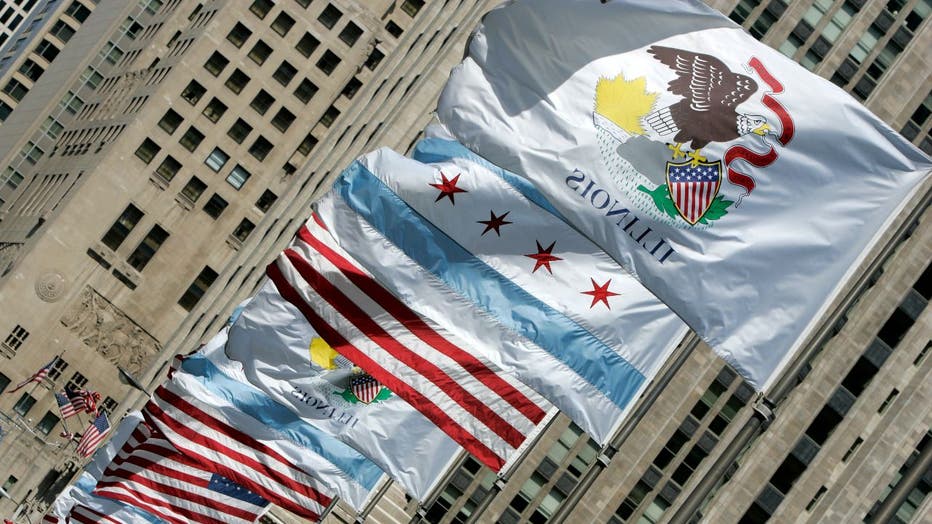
(739, 188)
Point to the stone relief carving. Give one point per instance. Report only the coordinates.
(109, 331)
(50, 287)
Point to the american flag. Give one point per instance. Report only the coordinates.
(365, 387)
(480, 406)
(202, 434)
(67, 405)
(72, 402)
(150, 473)
(38, 376)
(93, 435)
(693, 188)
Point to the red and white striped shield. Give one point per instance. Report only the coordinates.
(693, 187)
(365, 387)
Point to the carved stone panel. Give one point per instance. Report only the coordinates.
(110, 332)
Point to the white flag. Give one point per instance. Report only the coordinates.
(283, 356)
(741, 189)
(454, 240)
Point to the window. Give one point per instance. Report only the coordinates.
(91, 77)
(266, 201)
(351, 88)
(58, 366)
(31, 152)
(108, 406)
(13, 178)
(24, 404)
(307, 144)
(153, 6)
(215, 206)
(5, 110)
(78, 11)
(243, 230)
(393, 29)
(71, 103)
(330, 115)
(283, 119)
(262, 102)
(282, 24)
(238, 176)
(15, 89)
(411, 7)
(217, 159)
(260, 52)
(216, 63)
(260, 148)
(261, 8)
(147, 150)
(214, 109)
(170, 121)
(193, 92)
(305, 91)
(131, 28)
(239, 34)
(77, 381)
(330, 16)
(147, 248)
(350, 34)
(19, 335)
(193, 190)
(191, 139)
(328, 62)
(197, 288)
(284, 73)
(47, 423)
(49, 52)
(303, 3)
(168, 168)
(31, 70)
(4, 382)
(10, 482)
(237, 81)
(374, 59)
(122, 227)
(239, 131)
(307, 44)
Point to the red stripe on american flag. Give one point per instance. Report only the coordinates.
(399, 387)
(244, 480)
(174, 491)
(87, 515)
(413, 322)
(359, 318)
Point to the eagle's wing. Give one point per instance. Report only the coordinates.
(703, 79)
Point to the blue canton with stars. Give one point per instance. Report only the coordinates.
(227, 487)
(687, 173)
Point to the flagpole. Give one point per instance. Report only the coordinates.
(765, 407)
(687, 345)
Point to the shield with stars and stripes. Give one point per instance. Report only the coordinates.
(365, 388)
(693, 187)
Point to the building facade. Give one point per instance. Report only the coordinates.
(168, 150)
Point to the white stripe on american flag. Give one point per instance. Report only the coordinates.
(489, 408)
(86, 515)
(150, 473)
(199, 433)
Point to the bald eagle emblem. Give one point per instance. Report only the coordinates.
(700, 107)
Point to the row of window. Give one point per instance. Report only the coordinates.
(840, 403)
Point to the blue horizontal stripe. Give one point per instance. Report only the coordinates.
(256, 404)
(507, 302)
(430, 150)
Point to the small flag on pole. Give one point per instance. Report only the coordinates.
(38, 376)
(93, 435)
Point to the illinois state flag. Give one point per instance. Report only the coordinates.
(738, 187)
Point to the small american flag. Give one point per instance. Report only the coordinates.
(93, 435)
(38, 376)
(365, 388)
(66, 404)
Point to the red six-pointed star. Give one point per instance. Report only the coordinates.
(494, 222)
(543, 257)
(448, 188)
(600, 293)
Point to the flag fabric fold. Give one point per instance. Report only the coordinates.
(280, 354)
(458, 242)
(744, 204)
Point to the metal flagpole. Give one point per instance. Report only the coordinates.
(688, 345)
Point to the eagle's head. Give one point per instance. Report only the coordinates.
(753, 124)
